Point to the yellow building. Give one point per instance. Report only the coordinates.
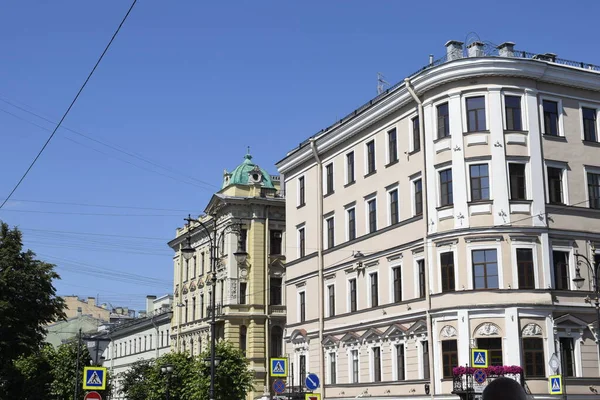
(248, 213)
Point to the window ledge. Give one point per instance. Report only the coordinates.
(371, 173)
(524, 201)
(328, 194)
(410, 153)
(554, 138)
(475, 132)
(350, 183)
(446, 207)
(476, 202)
(524, 132)
(300, 206)
(442, 138)
(590, 143)
(391, 163)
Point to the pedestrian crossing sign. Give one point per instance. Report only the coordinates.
(94, 378)
(479, 358)
(279, 367)
(555, 384)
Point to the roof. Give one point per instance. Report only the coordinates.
(246, 171)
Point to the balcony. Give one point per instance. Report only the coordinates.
(277, 310)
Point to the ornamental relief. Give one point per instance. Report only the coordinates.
(488, 329)
(448, 331)
(532, 330)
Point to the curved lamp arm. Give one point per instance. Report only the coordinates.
(593, 269)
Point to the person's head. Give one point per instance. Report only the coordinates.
(504, 389)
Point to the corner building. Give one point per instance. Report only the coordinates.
(446, 214)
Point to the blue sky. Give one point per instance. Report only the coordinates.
(186, 86)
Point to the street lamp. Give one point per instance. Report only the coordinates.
(167, 370)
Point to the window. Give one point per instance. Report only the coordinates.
(494, 348)
(443, 120)
(376, 364)
(371, 157)
(329, 179)
(332, 368)
(447, 267)
(331, 300)
(202, 306)
(476, 114)
(416, 134)
(421, 276)
(275, 242)
(480, 182)
(561, 269)
(243, 290)
(187, 270)
(243, 337)
(374, 290)
(195, 261)
(302, 303)
(513, 113)
(533, 355)
(301, 191)
(446, 196)
(330, 232)
(302, 367)
(372, 210)
(202, 262)
(275, 291)
(550, 117)
(589, 124)
(525, 268)
(243, 239)
(400, 362)
(392, 146)
(449, 357)
(394, 210)
(354, 355)
(485, 269)
(350, 167)
(276, 341)
(567, 354)
(193, 308)
(352, 285)
(418, 186)
(425, 355)
(516, 174)
(186, 312)
(301, 243)
(351, 224)
(555, 185)
(593, 181)
(397, 274)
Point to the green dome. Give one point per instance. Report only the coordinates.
(248, 173)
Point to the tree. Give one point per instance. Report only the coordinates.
(135, 382)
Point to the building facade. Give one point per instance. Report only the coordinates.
(74, 306)
(449, 213)
(247, 214)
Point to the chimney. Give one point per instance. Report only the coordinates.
(506, 49)
(475, 49)
(454, 50)
(150, 303)
(91, 301)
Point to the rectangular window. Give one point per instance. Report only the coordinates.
(394, 209)
(376, 364)
(351, 224)
(331, 300)
(421, 275)
(425, 354)
(329, 179)
(525, 268)
(354, 354)
(350, 167)
(446, 192)
(550, 117)
(301, 243)
(301, 191)
(476, 114)
(201, 307)
(187, 270)
(275, 242)
(447, 268)
(400, 362)
(243, 239)
(202, 263)
(485, 269)
(449, 357)
(371, 157)
(494, 348)
(302, 368)
(418, 185)
(332, 369)
(275, 291)
(480, 182)
(555, 185)
(193, 308)
(533, 355)
(330, 232)
(589, 124)
(302, 303)
(393, 145)
(397, 273)
(443, 120)
(593, 181)
(416, 134)
(374, 290)
(372, 209)
(561, 269)
(194, 261)
(513, 113)
(567, 353)
(516, 174)
(186, 312)
(353, 305)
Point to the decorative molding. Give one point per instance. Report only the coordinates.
(484, 239)
(532, 330)
(395, 257)
(301, 284)
(488, 329)
(448, 331)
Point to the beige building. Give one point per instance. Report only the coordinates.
(446, 214)
(75, 306)
(249, 214)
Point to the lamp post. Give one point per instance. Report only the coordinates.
(240, 255)
(168, 371)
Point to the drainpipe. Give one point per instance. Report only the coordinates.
(320, 260)
(425, 234)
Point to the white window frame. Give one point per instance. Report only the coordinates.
(298, 308)
(447, 249)
(346, 181)
(416, 259)
(565, 184)
(411, 131)
(438, 179)
(387, 145)
(577, 338)
(392, 266)
(347, 211)
(528, 194)
(350, 277)
(561, 126)
(327, 299)
(572, 264)
(299, 228)
(420, 354)
(524, 120)
(329, 163)
(395, 359)
(367, 200)
(596, 107)
(372, 363)
(366, 156)
(326, 233)
(332, 354)
(369, 274)
(302, 352)
(515, 271)
(484, 246)
(298, 199)
(413, 194)
(389, 191)
(435, 106)
(468, 170)
(351, 364)
(464, 111)
(592, 170)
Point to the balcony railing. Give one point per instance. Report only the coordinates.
(464, 383)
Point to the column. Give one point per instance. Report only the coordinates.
(498, 173)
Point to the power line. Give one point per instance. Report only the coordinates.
(92, 214)
(70, 107)
(95, 234)
(100, 205)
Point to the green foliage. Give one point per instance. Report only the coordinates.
(135, 382)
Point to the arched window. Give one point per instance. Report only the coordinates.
(276, 341)
(243, 334)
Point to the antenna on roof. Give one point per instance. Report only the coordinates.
(381, 83)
